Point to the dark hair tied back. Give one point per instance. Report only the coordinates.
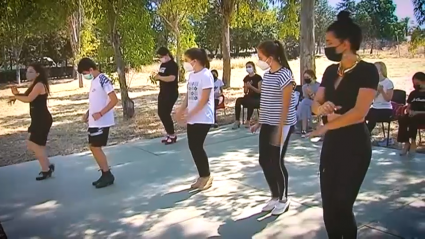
(200, 55)
(344, 16)
(345, 29)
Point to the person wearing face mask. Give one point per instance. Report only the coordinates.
(218, 91)
(167, 76)
(309, 89)
(197, 112)
(41, 119)
(381, 109)
(415, 115)
(344, 98)
(251, 99)
(277, 121)
(100, 116)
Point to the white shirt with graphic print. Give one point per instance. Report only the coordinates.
(100, 88)
(217, 86)
(197, 82)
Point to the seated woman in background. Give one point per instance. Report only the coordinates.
(309, 89)
(415, 115)
(381, 109)
(251, 99)
(218, 91)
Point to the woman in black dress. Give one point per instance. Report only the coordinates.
(344, 98)
(41, 119)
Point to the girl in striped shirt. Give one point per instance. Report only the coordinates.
(277, 120)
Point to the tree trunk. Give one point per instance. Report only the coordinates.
(307, 42)
(17, 53)
(74, 30)
(127, 103)
(179, 59)
(226, 51)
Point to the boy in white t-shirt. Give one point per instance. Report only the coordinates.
(197, 110)
(100, 116)
(381, 109)
(218, 91)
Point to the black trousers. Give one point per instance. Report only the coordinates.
(2, 233)
(272, 159)
(165, 106)
(196, 134)
(408, 127)
(344, 162)
(216, 101)
(377, 115)
(248, 102)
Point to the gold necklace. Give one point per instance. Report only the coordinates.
(342, 72)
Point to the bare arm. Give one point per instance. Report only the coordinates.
(166, 78)
(205, 96)
(37, 90)
(286, 101)
(319, 99)
(113, 100)
(388, 95)
(256, 90)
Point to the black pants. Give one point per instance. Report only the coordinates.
(196, 134)
(165, 106)
(408, 127)
(216, 101)
(2, 233)
(248, 102)
(272, 159)
(344, 162)
(377, 115)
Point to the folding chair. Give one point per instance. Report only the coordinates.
(398, 102)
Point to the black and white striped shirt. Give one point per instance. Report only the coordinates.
(271, 98)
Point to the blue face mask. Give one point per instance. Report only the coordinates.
(88, 76)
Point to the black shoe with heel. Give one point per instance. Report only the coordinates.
(46, 175)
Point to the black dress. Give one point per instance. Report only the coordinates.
(41, 120)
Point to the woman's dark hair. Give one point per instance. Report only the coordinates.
(420, 76)
(275, 49)
(163, 51)
(200, 55)
(310, 73)
(345, 29)
(41, 78)
(85, 64)
(214, 71)
(253, 65)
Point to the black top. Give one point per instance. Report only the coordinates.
(254, 80)
(364, 75)
(169, 68)
(40, 115)
(416, 100)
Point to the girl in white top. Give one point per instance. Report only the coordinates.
(197, 110)
(381, 109)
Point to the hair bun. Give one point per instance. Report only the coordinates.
(344, 16)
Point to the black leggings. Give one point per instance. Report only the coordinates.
(408, 127)
(165, 106)
(344, 162)
(248, 102)
(272, 159)
(377, 115)
(196, 134)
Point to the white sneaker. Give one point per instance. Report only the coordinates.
(270, 205)
(281, 207)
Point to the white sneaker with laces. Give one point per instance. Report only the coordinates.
(270, 205)
(281, 207)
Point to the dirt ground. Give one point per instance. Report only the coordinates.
(67, 103)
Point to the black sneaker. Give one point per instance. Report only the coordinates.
(215, 125)
(105, 180)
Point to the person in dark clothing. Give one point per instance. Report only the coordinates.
(415, 115)
(251, 99)
(168, 77)
(41, 119)
(2, 233)
(344, 98)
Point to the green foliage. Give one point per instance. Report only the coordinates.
(417, 39)
(289, 18)
(419, 10)
(324, 16)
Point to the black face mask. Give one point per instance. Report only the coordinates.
(332, 55)
(307, 80)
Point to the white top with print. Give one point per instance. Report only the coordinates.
(197, 82)
(100, 88)
(217, 86)
(271, 98)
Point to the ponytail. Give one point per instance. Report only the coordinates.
(281, 54)
(276, 50)
(200, 55)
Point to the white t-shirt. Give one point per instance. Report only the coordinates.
(379, 102)
(197, 82)
(217, 86)
(100, 87)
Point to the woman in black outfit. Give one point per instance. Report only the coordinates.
(251, 99)
(41, 119)
(168, 77)
(344, 98)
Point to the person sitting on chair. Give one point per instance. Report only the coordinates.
(251, 99)
(415, 115)
(309, 90)
(381, 109)
(218, 91)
